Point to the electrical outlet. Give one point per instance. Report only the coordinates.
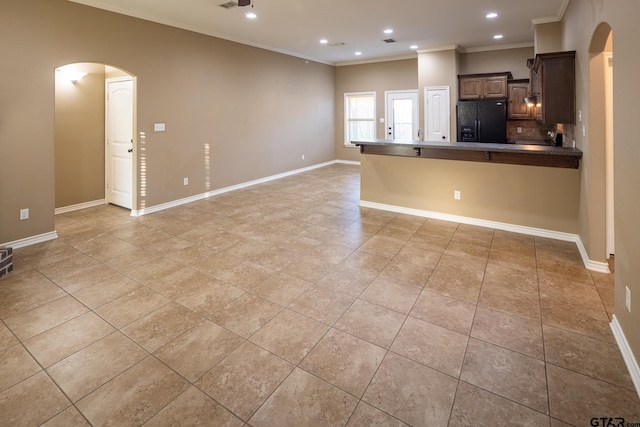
(456, 195)
(303, 157)
(519, 129)
(24, 214)
(186, 181)
(627, 298)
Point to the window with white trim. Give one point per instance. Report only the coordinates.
(359, 117)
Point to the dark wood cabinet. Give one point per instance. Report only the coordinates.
(517, 91)
(553, 81)
(483, 86)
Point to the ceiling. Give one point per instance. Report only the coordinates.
(295, 27)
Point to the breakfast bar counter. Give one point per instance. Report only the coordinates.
(511, 153)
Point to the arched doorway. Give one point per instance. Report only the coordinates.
(82, 129)
(601, 139)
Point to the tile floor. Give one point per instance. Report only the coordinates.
(285, 304)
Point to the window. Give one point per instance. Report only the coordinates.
(359, 117)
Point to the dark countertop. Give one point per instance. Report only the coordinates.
(515, 153)
(518, 148)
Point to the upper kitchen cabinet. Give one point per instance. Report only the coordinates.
(553, 84)
(517, 91)
(483, 86)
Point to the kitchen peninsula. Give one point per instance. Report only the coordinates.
(531, 189)
(517, 153)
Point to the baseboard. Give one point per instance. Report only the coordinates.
(79, 206)
(532, 231)
(28, 241)
(348, 162)
(627, 354)
(201, 196)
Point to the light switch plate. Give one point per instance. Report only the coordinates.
(158, 127)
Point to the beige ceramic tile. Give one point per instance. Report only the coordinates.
(506, 373)
(161, 326)
(348, 281)
(371, 322)
(476, 407)
(366, 415)
(290, 335)
(150, 385)
(30, 323)
(179, 283)
(63, 340)
(154, 269)
(444, 311)
(576, 399)
(245, 379)
(281, 289)
(106, 291)
(16, 365)
(510, 300)
(98, 363)
(84, 277)
(514, 260)
(506, 276)
(386, 247)
(25, 291)
(458, 277)
(7, 339)
(59, 270)
(305, 400)
(344, 361)
(438, 228)
(417, 255)
(411, 392)
(246, 275)
(66, 418)
(467, 250)
(198, 349)
(472, 234)
(406, 273)
(586, 355)
(131, 307)
(434, 346)
(207, 298)
(365, 261)
(570, 292)
(391, 294)
(193, 408)
(509, 330)
(245, 315)
(308, 268)
(593, 323)
(32, 401)
(323, 305)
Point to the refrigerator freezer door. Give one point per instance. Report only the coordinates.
(467, 121)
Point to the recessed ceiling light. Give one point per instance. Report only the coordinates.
(251, 15)
(497, 36)
(358, 53)
(413, 46)
(492, 15)
(388, 31)
(324, 41)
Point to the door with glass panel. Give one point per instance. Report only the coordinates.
(401, 116)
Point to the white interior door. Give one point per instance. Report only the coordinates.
(119, 142)
(401, 114)
(437, 113)
(610, 224)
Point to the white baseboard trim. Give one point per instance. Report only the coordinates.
(201, 196)
(28, 241)
(627, 354)
(532, 231)
(348, 162)
(79, 206)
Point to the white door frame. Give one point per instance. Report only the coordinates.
(388, 114)
(609, 138)
(427, 89)
(134, 157)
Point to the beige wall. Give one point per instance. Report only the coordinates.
(495, 61)
(258, 111)
(548, 37)
(79, 137)
(378, 77)
(581, 21)
(440, 68)
(529, 196)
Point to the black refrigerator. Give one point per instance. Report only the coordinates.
(482, 120)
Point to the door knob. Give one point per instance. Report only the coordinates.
(130, 150)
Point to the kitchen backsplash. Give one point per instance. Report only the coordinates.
(531, 129)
